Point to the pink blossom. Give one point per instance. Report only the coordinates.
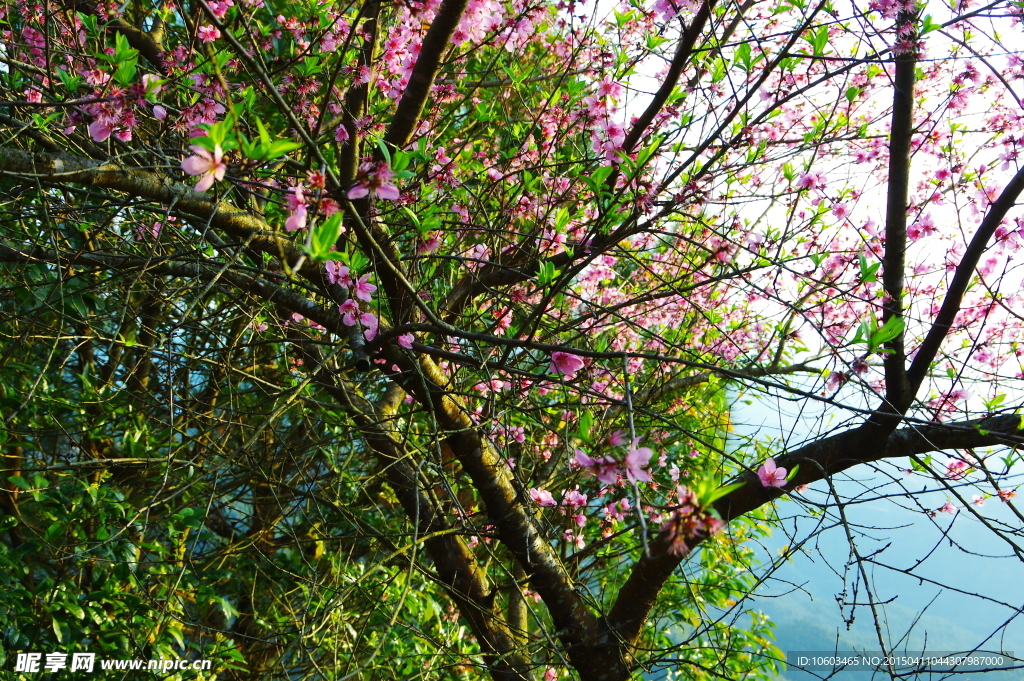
(210, 166)
(349, 311)
(370, 325)
(617, 438)
(948, 507)
(574, 498)
(363, 289)
(429, 244)
(688, 523)
(550, 674)
(616, 510)
(1006, 494)
(978, 500)
(811, 180)
(297, 208)
(338, 273)
(610, 88)
(841, 210)
(921, 228)
(374, 179)
(153, 231)
(564, 363)
(637, 459)
(770, 475)
(605, 468)
(575, 539)
(208, 33)
(101, 129)
(329, 207)
(532, 594)
(542, 497)
(405, 340)
(956, 469)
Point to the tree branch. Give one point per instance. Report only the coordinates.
(147, 44)
(683, 53)
(457, 567)
(897, 391)
(587, 645)
(818, 459)
(437, 40)
(961, 280)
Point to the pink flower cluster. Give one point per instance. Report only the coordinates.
(688, 523)
(360, 289)
(374, 179)
(608, 469)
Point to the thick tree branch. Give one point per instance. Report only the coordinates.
(817, 460)
(961, 280)
(148, 44)
(682, 382)
(588, 647)
(683, 53)
(897, 392)
(183, 268)
(421, 81)
(239, 224)
(457, 567)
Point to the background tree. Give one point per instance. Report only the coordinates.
(347, 340)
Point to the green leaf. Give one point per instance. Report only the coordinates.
(20, 482)
(126, 71)
(887, 332)
(325, 236)
(718, 70)
(72, 83)
(653, 41)
(264, 135)
(742, 57)
(89, 21)
(718, 493)
(280, 148)
(993, 404)
(867, 272)
(547, 273)
(562, 218)
(412, 216)
(400, 161)
(586, 423)
(122, 50)
(55, 530)
(383, 148)
(75, 609)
